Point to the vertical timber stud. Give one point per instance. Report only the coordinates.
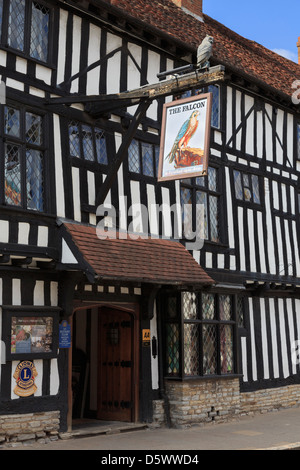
(146, 395)
(122, 152)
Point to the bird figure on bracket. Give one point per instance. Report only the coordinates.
(204, 52)
(185, 134)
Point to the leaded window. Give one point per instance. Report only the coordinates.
(200, 202)
(216, 102)
(143, 158)
(25, 27)
(246, 187)
(24, 150)
(200, 332)
(87, 142)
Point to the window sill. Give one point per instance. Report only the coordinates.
(204, 377)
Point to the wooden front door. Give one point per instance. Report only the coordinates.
(115, 371)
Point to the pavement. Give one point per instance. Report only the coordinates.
(276, 430)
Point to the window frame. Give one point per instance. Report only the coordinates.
(155, 158)
(81, 157)
(180, 322)
(24, 145)
(25, 51)
(191, 184)
(244, 187)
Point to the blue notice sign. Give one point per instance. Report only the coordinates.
(64, 335)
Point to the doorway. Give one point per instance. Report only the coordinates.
(105, 363)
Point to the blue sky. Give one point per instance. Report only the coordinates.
(274, 24)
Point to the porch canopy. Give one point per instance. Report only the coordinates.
(128, 259)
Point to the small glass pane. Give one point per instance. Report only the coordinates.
(238, 185)
(147, 159)
(255, 189)
(34, 180)
(214, 221)
(212, 179)
(39, 32)
(33, 129)
(87, 143)
(187, 216)
(74, 142)
(247, 194)
(191, 349)
(1, 14)
(226, 349)
(208, 306)
(134, 157)
(172, 307)
(201, 199)
(16, 24)
(189, 305)
(225, 309)
(209, 349)
(12, 122)
(101, 150)
(172, 349)
(157, 151)
(215, 114)
(12, 175)
(240, 311)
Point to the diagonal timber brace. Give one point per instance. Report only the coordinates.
(122, 152)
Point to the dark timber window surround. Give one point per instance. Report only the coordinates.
(246, 187)
(143, 158)
(202, 191)
(200, 335)
(25, 26)
(23, 159)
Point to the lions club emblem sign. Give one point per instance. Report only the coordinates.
(25, 375)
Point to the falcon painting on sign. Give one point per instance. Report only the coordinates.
(184, 146)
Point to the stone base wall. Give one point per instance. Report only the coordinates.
(219, 400)
(270, 399)
(29, 428)
(203, 401)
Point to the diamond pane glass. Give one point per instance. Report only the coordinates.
(238, 185)
(39, 32)
(225, 307)
(208, 306)
(226, 349)
(147, 159)
(255, 189)
(74, 142)
(187, 214)
(101, 151)
(172, 349)
(212, 179)
(16, 24)
(240, 311)
(12, 175)
(189, 305)
(134, 157)
(157, 151)
(34, 180)
(214, 222)
(191, 349)
(87, 143)
(172, 307)
(201, 199)
(201, 181)
(33, 129)
(209, 349)
(215, 112)
(12, 122)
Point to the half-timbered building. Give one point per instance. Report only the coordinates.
(137, 326)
